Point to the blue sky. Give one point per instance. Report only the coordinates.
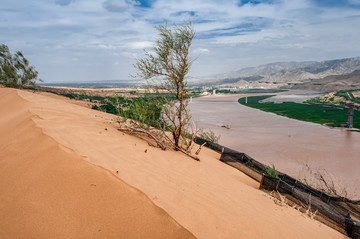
(94, 40)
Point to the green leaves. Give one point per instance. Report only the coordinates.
(7, 68)
(271, 171)
(167, 65)
(15, 70)
(170, 57)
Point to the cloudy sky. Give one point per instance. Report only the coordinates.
(94, 40)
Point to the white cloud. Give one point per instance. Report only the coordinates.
(116, 6)
(106, 47)
(229, 37)
(131, 55)
(140, 45)
(200, 50)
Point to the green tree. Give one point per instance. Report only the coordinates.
(27, 75)
(165, 68)
(8, 76)
(15, 70)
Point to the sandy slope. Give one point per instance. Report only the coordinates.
(47, 191)
(209, 198)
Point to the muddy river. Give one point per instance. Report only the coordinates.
(293, 146)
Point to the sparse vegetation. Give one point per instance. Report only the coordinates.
(321, 180)
(279, 199)
(271, 171)
(141, 111)
(282, 201)
(340, 98)
(249, 163)
(140, 107)
(209, 136)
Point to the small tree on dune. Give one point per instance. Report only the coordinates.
(27, 75)
(8, 76)
(15, 70)
(165, 68)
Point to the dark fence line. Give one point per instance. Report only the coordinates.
(336, 212)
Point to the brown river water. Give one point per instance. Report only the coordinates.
(289, 144)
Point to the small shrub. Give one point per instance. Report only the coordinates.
(209, 136)
(249, 163)
(271, 171)
(109, 108)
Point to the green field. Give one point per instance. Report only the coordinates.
(322, 114)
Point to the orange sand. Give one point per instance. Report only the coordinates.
(58, 164)
(47, 191)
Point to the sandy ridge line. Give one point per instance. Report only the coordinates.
(37, 167)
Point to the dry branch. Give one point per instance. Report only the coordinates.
(198, 151)
(136, 131)
(164, 142)
(188, 154)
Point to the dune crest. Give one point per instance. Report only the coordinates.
(47, 191)
(209, 198)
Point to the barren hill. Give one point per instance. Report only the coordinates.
(281, 74)
(331, 83)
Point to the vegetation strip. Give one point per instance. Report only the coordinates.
(335, 116)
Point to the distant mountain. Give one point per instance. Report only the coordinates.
(331, 83)
(281, 74)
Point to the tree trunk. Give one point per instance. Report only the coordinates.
(176, 137)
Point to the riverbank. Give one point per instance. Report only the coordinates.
(324, 114)
(291, 145)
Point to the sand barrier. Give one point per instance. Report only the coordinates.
(340, 213)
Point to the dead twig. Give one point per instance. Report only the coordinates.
(159, 143)
(308, 211)
(279, 199)
(188, 154)
(198, 151)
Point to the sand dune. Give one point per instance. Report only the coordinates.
(67, 172)
(47, 191)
